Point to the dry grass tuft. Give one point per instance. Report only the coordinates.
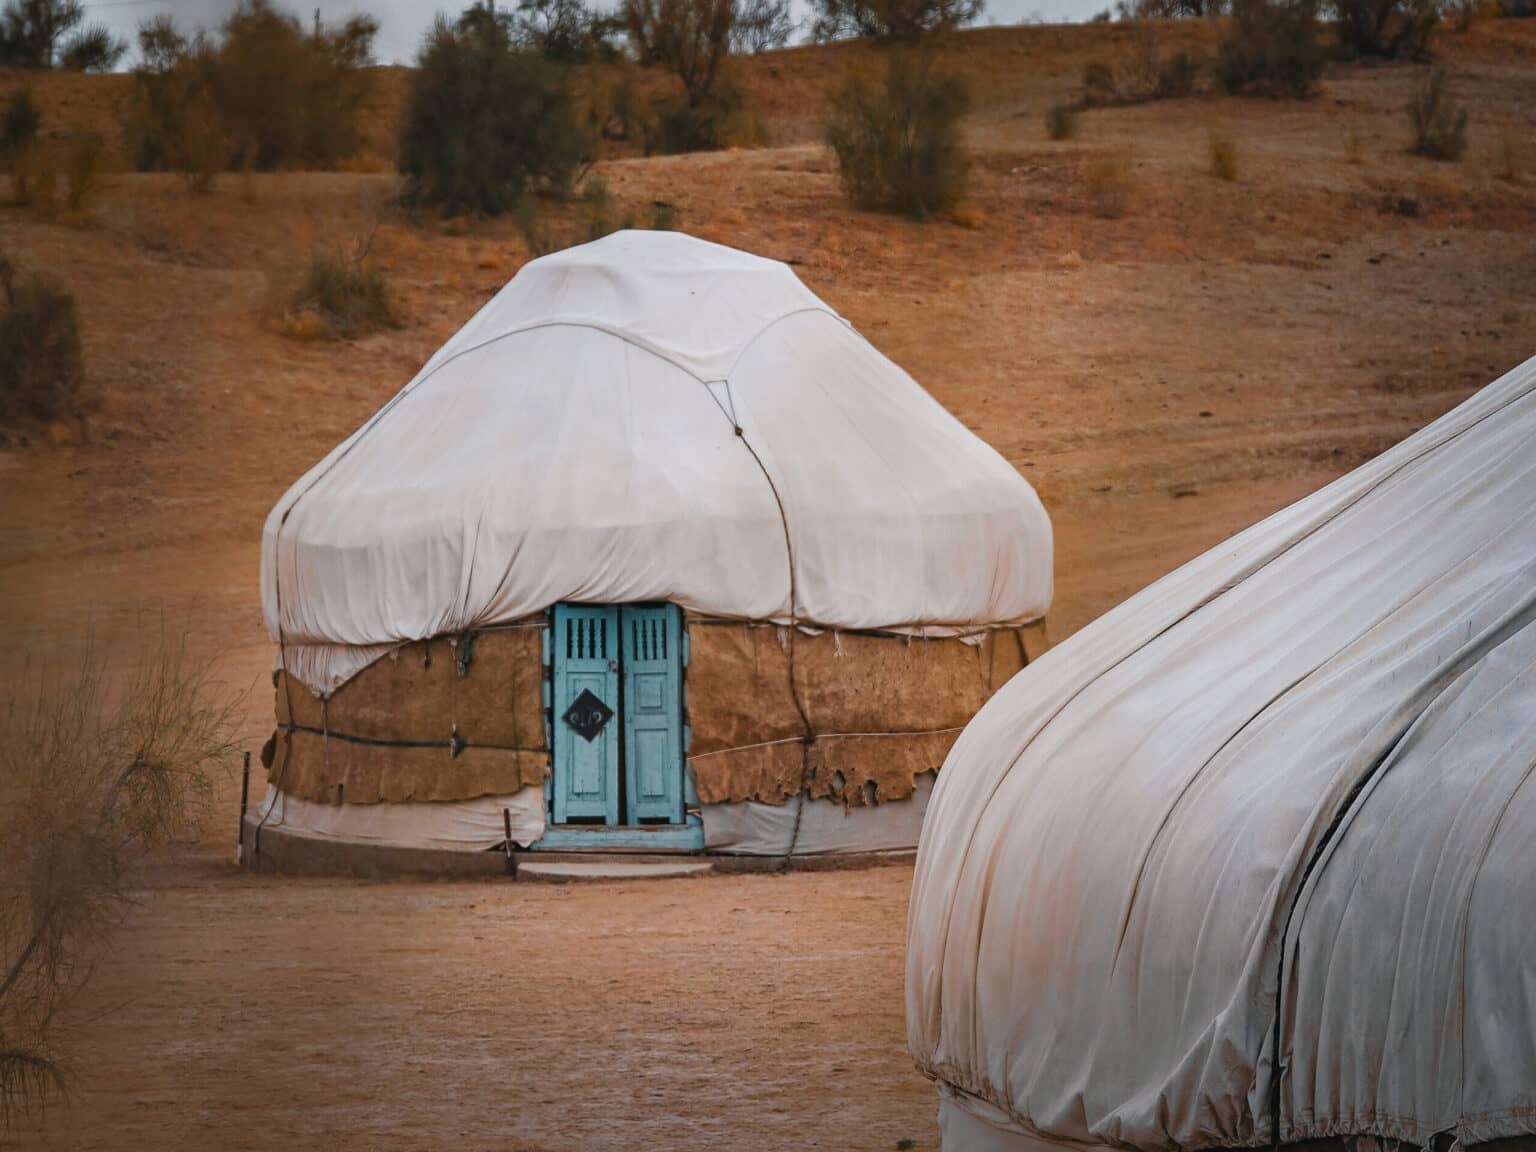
(1222, 152)
(1109, 181)
(1061, 120)
(92, 778)
(1439, 123)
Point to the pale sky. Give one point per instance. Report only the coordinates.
(402, 22)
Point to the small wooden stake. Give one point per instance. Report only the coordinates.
(245, 792)
(506, 824)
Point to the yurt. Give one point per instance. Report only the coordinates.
(1251, 860)
(657, 554)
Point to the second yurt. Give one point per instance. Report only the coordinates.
(1251, 860)
(657, 553)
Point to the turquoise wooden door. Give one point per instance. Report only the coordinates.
(653, 714)
(585, 714)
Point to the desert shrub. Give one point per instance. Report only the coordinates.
(1439, 123)
(286, 97)
(898, 138)
(1271, 49)
(1108, 183)
(1145, 75)
(595, 215)
(890, 19)
(692, 40)
(1099, 85)
(1061, 120)
(92, 49)
(42, 372)
(1221, 150)
(347, 293)
(487, 121)
(91, 780)
(716, 121)
(1178, 76)
(35, 180)
(1387, 28)
(174, 122)
(762, 25)
(266, 95)
(19, 126)
(567, 31)
(45, 33)
(663, 216)
(84, 170)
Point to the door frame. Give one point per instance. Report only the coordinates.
(687, 836)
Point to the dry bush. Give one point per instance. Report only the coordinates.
(1385, 28)
(719, 120)
(898, 139)
(1108, 182)
(1145, 75)
(266, 95)
(1221, 150)
(691, 39)
(42, 371)
(338, 295)
(84, 171)
(19, 125)
(763, 25)
(1439, 123)
(566, 31)
(487, 121)
(1271, 49)
(596, 215)
(1061, 120)
(890, 19)
(92, 777)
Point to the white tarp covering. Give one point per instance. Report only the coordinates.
(578, 440)
(1314, 743)
(743, 829)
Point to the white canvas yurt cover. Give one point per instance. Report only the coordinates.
(1252, 858)
(651, 417)
(647, 419)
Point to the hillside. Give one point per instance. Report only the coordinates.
(1164, 376)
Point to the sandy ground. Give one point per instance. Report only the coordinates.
(1164, 378)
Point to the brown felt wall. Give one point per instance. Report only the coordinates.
(864, 716)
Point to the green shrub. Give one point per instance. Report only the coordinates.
(349, 295)
(42, 371)
(487, 121)
(898, 139)
(1439, 123)
(1271, 49)
(1061, 120)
